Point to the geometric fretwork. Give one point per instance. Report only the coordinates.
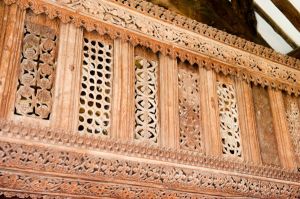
(96, 88)
(37, 71)
(146, 106)
(189, 107)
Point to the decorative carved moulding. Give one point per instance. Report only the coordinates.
(207, 31)
(39, 168)
(84, 142)
(211, 49)
(58, 187)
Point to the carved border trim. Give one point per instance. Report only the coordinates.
(42, 186)
(171, 17)
(273, 75)
(59, 137)
(82, 166)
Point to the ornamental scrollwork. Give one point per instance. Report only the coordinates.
(59, 137)
(164, 32)
(163, 14)
(69, 163)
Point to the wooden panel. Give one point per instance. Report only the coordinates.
(210, 112)
(285, 151)
(32, 99)
(251, 150)
(292, 111)
(96, 86)
(11, 39)
(232, 145)
(123, 91)
(265, 129)
(146, 96)
(3, 24)
(189, 107)
(65, 107)
(169, 122)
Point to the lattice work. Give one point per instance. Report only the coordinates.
(229, 123)
(146, 112)
(37, 71)
(96, 87)
(293, 118)
(189, 107)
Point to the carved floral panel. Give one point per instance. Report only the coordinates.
(146, 105)
(37, 70)
(293, 119)
(189, 107)
(96, 87)
(229, 122)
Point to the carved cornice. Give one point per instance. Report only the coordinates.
(79, 172)
(120, 22)
(171, 17)
(151, 152)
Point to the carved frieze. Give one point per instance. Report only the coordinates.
(161, 13)
(61, 138)
(37, 186)
(71, 164)
(164, 32)
(127, 24)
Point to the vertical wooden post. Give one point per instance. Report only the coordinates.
(168, 102)
(285, 150)
(67, 85)
(12, 25)
(210, 113)
(251, 149)
(123, 91)
(3, 22)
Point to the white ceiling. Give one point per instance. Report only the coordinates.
(267, 32)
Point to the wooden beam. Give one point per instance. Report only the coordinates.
(273, 24)
(295, 53)
(289, 11)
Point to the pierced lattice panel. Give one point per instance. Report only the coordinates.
(189, 107)
(37, 70)
(229, 122)
(146, 106)
(96, 87)
(293, 118)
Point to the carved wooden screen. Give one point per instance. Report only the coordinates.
(146, 99)
(265, 128)
(292, 105)
(229, 121)
(96, 85)
(189, 107)
(37, 70)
